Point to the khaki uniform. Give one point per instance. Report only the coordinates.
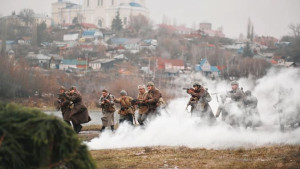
(143, 108)
(108, 110)
(126, 111)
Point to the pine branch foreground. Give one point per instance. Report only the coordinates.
(31, 139)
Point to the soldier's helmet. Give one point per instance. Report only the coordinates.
(141, 87)
(248, 93)
(123, 93)
(234, 83)
(62, 88)
(150, 84)
(73, 88)
(196, 84)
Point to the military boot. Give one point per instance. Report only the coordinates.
(102, 129)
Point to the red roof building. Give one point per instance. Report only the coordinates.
(88, 26)
(165, 64)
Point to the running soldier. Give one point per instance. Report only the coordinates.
(79, 113)
(236, 106)
(153, 99)
(250, 103)
(199, 102)
(63, 104)
(106, 102)
(127, 110)
(222, 109)
(142, 106)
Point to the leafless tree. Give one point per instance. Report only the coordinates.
(27, 15)
(295, 28)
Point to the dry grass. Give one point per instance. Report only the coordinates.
(183, 157)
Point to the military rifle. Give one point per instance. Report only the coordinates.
(188, 88)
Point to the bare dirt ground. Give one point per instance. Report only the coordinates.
(183, 157)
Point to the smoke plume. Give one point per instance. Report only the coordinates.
(176, 127)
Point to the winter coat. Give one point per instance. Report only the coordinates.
(143, 107)
(152, 98)
(79, 113)
(126, 106)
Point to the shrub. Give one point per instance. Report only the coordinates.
(31, 139)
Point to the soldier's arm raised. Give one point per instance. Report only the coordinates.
(117, 100)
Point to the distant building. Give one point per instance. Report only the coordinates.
(169, 64)
(207, 29)
(177, 29)
(98, 12)
(55, 61)
(205, 26)
(67, 64)
(38, 60)
(207, 69)
(131, 44)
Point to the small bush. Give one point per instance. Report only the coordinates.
(31, 139)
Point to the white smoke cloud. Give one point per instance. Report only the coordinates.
(175, 127)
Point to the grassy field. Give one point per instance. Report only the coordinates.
(183, 157)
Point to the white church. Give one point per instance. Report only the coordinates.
(98, 12)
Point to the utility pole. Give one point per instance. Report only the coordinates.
(86, 62)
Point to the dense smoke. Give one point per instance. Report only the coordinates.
(176, 127)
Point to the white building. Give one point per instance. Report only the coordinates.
(98, 12)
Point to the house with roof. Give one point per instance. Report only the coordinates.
(92, 34)
(208, 70)
(101, 64)
(25, 40)
(9, 44)
(165, 64)
(88, 26)
(68, 64)
(150, 44)
(131, 44)
(39, 60)
(71, 37)
(82, 64)
(55, 61)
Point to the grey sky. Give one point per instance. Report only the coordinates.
(270, 17)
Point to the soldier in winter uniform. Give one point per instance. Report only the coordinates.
(127, 110)
(79, 113)
(250, 103)
(142, 106)
(237, 114)
(106, 102)
(63, 104)
(153, 99)
(199, 102)
(222, 109)
(236, 94)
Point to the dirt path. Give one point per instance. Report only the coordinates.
(182, 157)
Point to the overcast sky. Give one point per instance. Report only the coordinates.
(270, 17)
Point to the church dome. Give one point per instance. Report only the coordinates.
(134, 4)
